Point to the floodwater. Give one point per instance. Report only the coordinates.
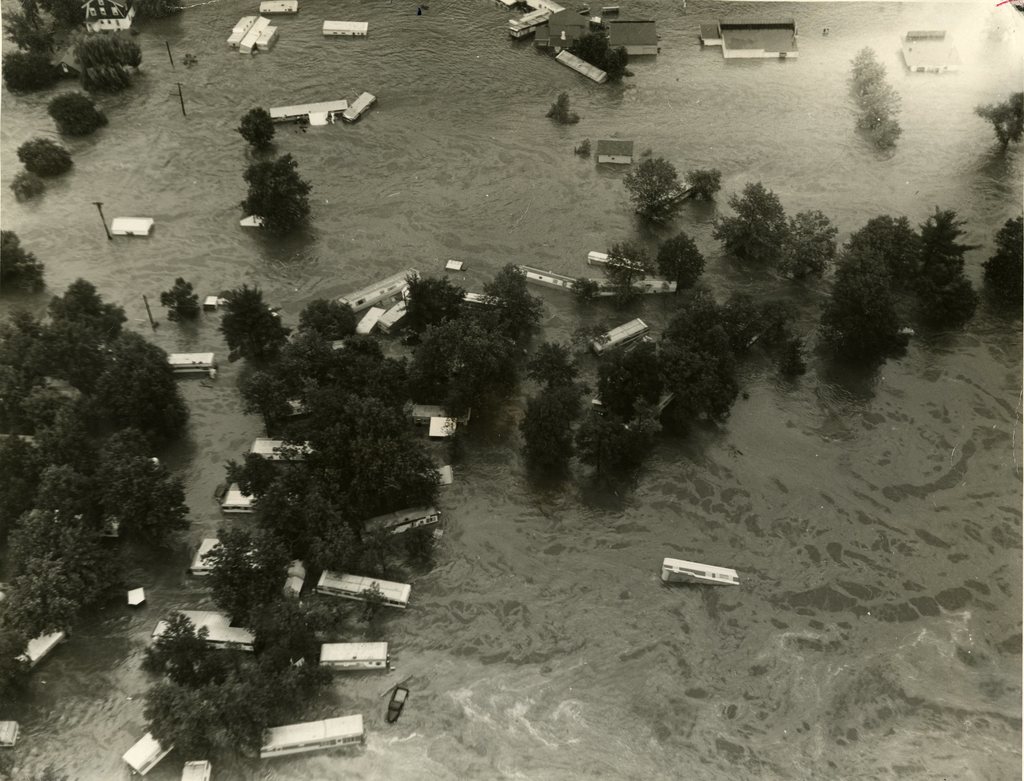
(874, 520)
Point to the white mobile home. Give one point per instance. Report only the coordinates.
(144, 755)
(199, 565)
(445, 475)
(279, 7)
(8, 733)
(358, 107)
(131, 226)
(278, 450)
(528, 23)
(220, 633)
(368, 321)
(183, 363)
(393, 317)
(303, 110)
(404, 520)
(236, 502)
(391, 287)
(312, 736)
(681, 571)
(582, 67)
(442, 428)
(358, 29)
(200, 770)
(249, 41)
(354, 586)
(355, 656)
(620, 336)
(40, 647)
(239, 30)
(296, 579)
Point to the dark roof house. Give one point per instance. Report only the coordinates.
(637, 36)
(561, 31)
(752, 37)
(612, 148)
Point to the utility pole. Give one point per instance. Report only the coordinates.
(182, 99)
(168, 45)
(152, 322)
(99, 207)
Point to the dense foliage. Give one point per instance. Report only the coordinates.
(878, 101)
(945, 295)
(19, 268)
(156, 9)
(512, 309)
(251, 328)
(257, 128)
(654, 188)
(76, 114)
(104, 61)
(181, 301)
(431, 301)
(328, 319)
(758, 232)
(628, 265)
(1005, 269)
(680, 261)
(27, 185)
(44, 157)
(704, 183)
(1007, 118)
(277, 194)
(810, 246)
(28, 71)
(594, 48)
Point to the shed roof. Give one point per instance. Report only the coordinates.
(632, 32)
(615, 147)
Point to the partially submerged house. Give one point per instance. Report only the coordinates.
(614, 151)
(639, 37)
(582, 67)
(106, 15)
(561, 31)
(752, 37)
(930, 51)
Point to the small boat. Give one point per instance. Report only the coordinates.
(398, 698)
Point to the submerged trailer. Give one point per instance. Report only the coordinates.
(302, 111)
(355, 656)
(358, 107)
(620, 336)
(184, 363)
(682, 571)
(145, 754)
(390, 287)
(220, 633)
(402, 521)
(348, 29)
(356, 587)
(236, 502)
(199, 565)
(312, 736)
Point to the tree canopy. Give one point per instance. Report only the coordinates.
(1007, 118)
(19, 268)
(1005, 269)
(76, 114)
(654, 188)
(594, 48)
(547, 427)
(628, 265)
(516, 312)
(44, 157)
(810, 245)
(945, 295)
(257, 128)
(328, 319)
(432, 300)
(247, 570)
(680, 261)
(251, 328)
(758, 232)
(277, 194)
(181, 301)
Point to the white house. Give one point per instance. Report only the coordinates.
(104, 15)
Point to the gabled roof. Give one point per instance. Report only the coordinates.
(632, 32)
(615, 147)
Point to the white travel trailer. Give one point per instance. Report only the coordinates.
(355, 656)
(313, 736)
(356, 586)
(144, 755)
(682, 571)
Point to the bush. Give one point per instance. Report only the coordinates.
(28, 71)
(759, 231)
(27, 185)
(704, 182)
(43, 157)
(257, 128)
(1004, 270)
(654, 189)
(560, 112)
(103, 60)
(878, 101)
(583, 150)
(75, 114)
(585, 289)
(1007, 118)
(181, 302)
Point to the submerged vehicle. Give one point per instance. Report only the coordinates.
(398, 699)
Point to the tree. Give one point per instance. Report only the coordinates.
(945, 295)
(68, 493)
(432, 300)
(254, 475)
(547, 427)
(13, 670)
(585, 289)
(612, 447)
(1007, 118)
(680, 261)
(810, 245)
(67, 13)
(18, 267)
(704, 183)
(791, 360)
(594, 48)
(859, 322)
(654, 189)
(61, 569)
(328, 319)
(28, 71)
(628, 378)
(82, 305)
(553, 366)
(285, 633)
(75, 114)
(137, 389)
(257, 128)
(246, 572)
(140, 497)
(462, 365)
(181, 654)
(1004, 270)
(181, 301)
(252, 329)
(21, 470)
(628, 265)
(266, 395)
(104, 61)
(517, 312)
(27, 185)
(25, 30)
(43, 157)
(560, 111)
(893, 245)
(277, 194)
(878, 101)
(758, 233)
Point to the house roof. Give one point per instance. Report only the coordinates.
(757, 21)
(632, 32)
(615, 147)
